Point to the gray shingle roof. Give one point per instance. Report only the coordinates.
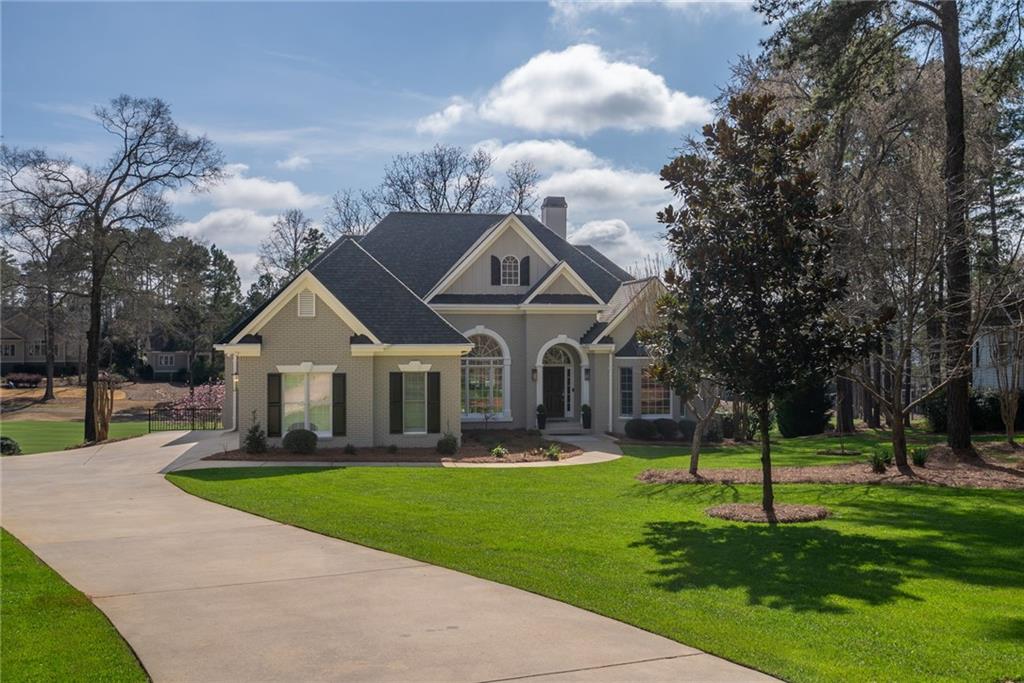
(604, 262)
(632, 349)
(420, 248)
(564, 299)
(393, 313)
(478, 299)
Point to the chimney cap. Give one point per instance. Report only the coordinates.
(555, 202)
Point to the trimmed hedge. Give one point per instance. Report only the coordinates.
(667, 428)
(686, 429)
(299, 441)
(644, 430)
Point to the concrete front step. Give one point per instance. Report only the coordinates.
(564, 429)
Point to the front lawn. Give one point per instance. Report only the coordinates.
(51, 632)
(901, 583)
(42, 436)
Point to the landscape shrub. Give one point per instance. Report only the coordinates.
(919, 456)
(499, 451)
(146, 372)
(349, 449)
(180, 376)
(804, 411)
(984, 412)
(24, 379)
(878, 461)
(299, 441)
(553, 451)
(641, 429)
(728, 426)
(687, 427)
(255, 440)
(667, 428)
(448, 444)
(712, 431)
(9, 446)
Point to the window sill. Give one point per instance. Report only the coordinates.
(494, 418)
(656, 417)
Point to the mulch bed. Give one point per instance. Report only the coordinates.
(752, 512)
(943, 469)
(476, 446)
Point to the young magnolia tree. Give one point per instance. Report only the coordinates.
(757, 286)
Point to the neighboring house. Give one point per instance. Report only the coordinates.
(435, 323)
(23, 346)
(166, 364)
(983, 374)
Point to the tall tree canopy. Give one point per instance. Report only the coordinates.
(754, 302)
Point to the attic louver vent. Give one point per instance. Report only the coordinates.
(307, 304)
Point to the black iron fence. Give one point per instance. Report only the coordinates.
(174, 419)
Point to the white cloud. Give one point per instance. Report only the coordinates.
(237, 189)
(545, 155)
(257, 137)
(238, 232)
(295, 162)
(572, 13)
(616, 240)
(636, 194)
(579, 90)
(442, 121)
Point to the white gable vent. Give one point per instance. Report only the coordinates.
(307, 304)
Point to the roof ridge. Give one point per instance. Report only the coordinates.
(408, 289)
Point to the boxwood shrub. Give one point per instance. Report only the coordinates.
(299, 441)
(641, 429)
(667, 428)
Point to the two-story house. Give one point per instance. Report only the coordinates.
(435, 323)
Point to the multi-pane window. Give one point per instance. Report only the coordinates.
(8, 350)
(306, 402)
(37, 348)
(414, 402)
(626, 391)
(510, 270)
(483, 378)
(166, 360)
(655, 397)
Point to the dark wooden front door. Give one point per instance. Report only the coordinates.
(554, 391)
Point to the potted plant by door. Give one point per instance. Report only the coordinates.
(542, 417)
(585, 413)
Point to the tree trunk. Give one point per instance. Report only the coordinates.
(1008, 402)
(48, 340)
(844, 405)
(698, 431)
(875, 414)
(767, 493)
(958, 266)
(92, 340)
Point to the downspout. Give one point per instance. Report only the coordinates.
(611, 394)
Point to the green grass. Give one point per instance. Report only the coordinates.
(901, 583)
(51, 632)
(42, 436)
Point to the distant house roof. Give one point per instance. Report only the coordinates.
(389, 309)
(420, 248)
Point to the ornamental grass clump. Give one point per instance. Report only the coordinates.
(553, 451)
(919, 456)
(499, 451)
(879, 459)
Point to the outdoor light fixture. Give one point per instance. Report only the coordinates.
(586, 374)
(533, 374)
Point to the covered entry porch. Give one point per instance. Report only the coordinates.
(562, 377)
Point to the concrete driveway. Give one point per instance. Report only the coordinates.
(206, 593)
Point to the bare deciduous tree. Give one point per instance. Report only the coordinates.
(292, 245)
(152, 155)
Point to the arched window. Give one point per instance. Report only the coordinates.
(485, 379)
(510, 271)
(557, 355)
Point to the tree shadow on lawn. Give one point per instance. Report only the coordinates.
(807, 567)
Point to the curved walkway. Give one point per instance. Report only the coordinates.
(207, 593)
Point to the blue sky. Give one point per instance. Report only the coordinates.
(308, 98)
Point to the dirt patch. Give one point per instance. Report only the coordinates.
(977, 472)
(476, 447)
(130, 400)
(784, 514)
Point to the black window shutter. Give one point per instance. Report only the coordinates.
(433, 402)
(338, 412)
(395, 397)
(524, 271)
(273, 404)
(495, 271)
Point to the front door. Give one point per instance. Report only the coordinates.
(554, 391)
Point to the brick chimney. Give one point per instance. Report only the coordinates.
(552, 214)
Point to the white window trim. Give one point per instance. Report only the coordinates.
(632, 393)
(506, 379)
(11, 347)
(298, 303)
(501, 270)
(165, 360)
(426, 405)
(305, 407)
